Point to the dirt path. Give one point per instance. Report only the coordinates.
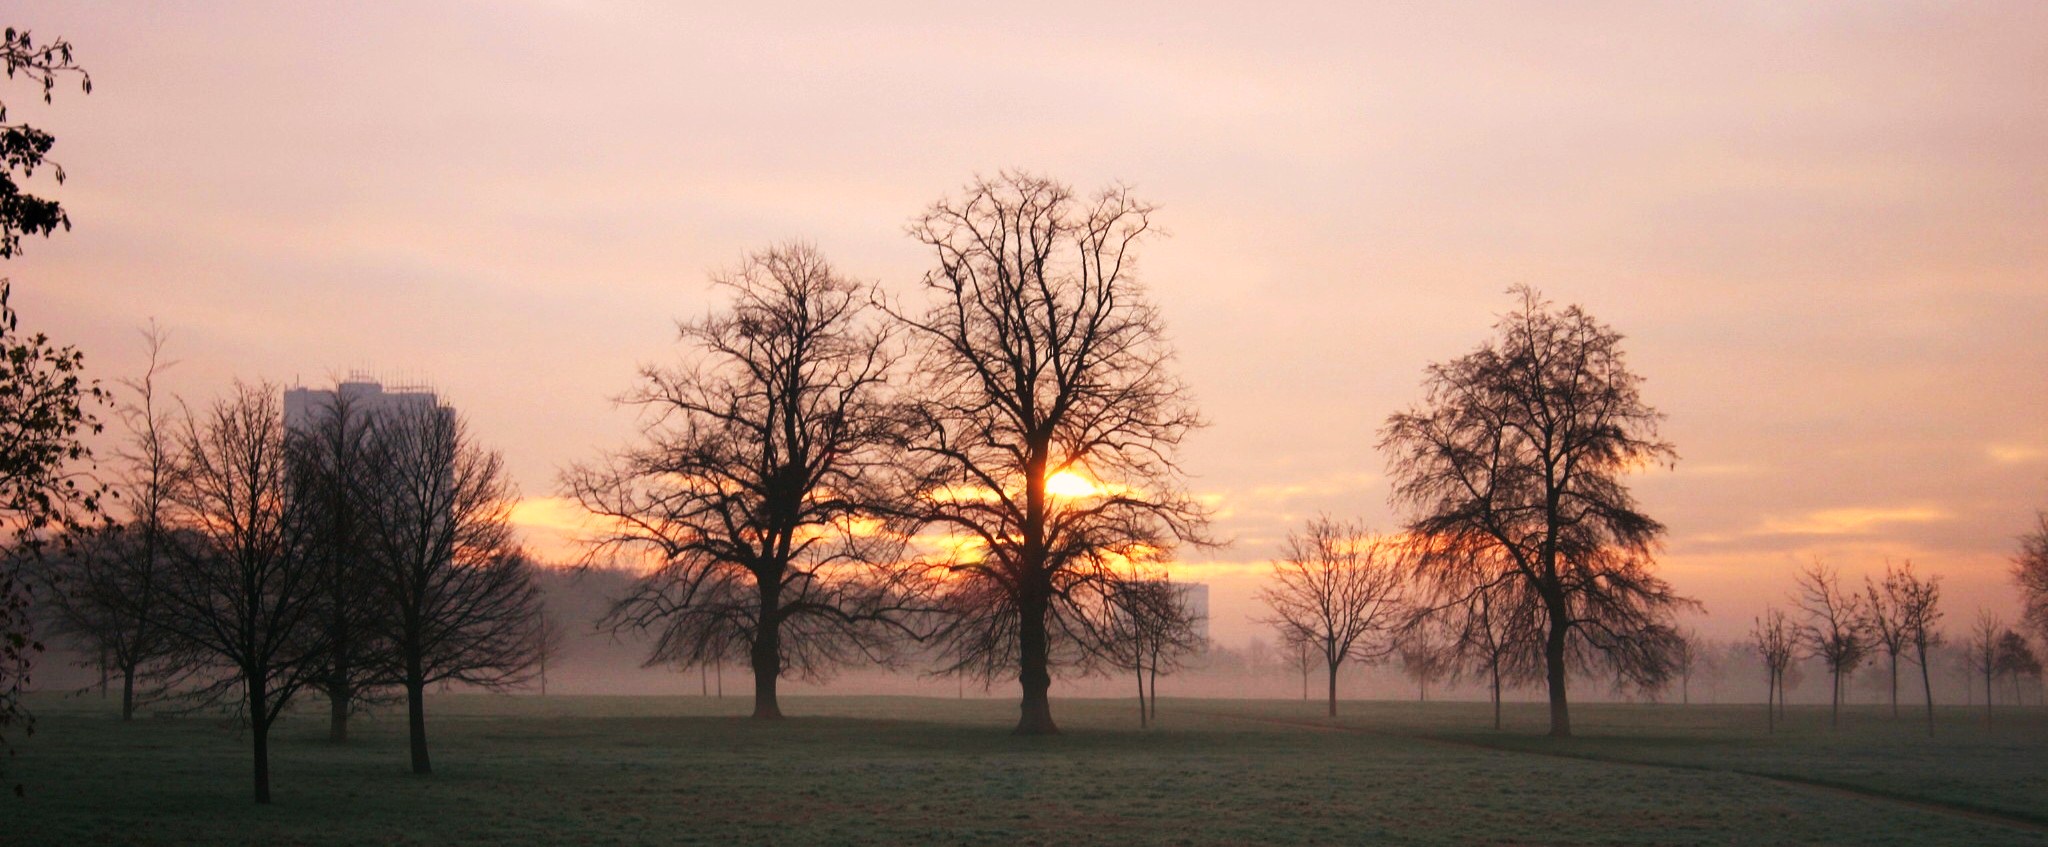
(1815, 786)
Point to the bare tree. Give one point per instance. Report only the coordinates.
(1837, 627)
(1521, 446)
(1776, 640)
(460, 595)
(762, 483)
(1341, 589)
(1687, 654)
(2030, 570)
(2016, 661)
(1496, 633)
(331, 457)
(1301, 652)
(1893, 617)
(242, 593)
(1427, 654)
(1917, 602)
(106, 590)
(1041, 360)
(1149, 632)
(1980, 652)
(547, 646)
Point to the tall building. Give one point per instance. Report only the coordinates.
(302, 405)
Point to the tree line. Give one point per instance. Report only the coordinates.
(986, 472)
(361, 553)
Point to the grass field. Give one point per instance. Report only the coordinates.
(634, 770)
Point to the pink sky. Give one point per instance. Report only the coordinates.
(1824, 228)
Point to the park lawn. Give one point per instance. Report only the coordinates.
(2001, 767)
(631, 770)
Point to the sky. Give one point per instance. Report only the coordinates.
(1822, 227)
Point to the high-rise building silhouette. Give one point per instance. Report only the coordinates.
(364, 395)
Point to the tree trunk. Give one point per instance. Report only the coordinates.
(766, 658)
(1987, 698)
(1927, 689)
(1835, 703)
(339, 702)
(259, 731)
(1553, 670)
(1033, 673)
(128, 693)
(1155, 689)
(765, 655)
(1770, 700)
(1496, 694)
(1141, 697)
(416, 720)
(1333, 689)
(1895, 685)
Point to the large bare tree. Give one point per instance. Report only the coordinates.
(1522, 444)
(331, 456)
(1340, 588)
(1042, 360)
(762, 483)
(459, 595)
(1837, 628)
(106, 591)
(242, 593)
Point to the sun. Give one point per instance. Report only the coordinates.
(1070, 484)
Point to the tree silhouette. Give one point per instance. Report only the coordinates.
(762, 483)
(1776, 641)
(1917, 603)
(243, 594)
(1521, 446)
(24, 148)
(459, 595)
(2030, 570)
(1149, 632)
(332, 469)
(44, 403)
(1040, 356)
(1341, 589)
(1981, 652)
(2016, 661)
(105, 593)
(1837, 628)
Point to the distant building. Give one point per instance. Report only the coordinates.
(302, 406)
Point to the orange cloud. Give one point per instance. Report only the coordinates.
(1849, 521)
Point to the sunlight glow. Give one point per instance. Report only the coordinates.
(1070, 484)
